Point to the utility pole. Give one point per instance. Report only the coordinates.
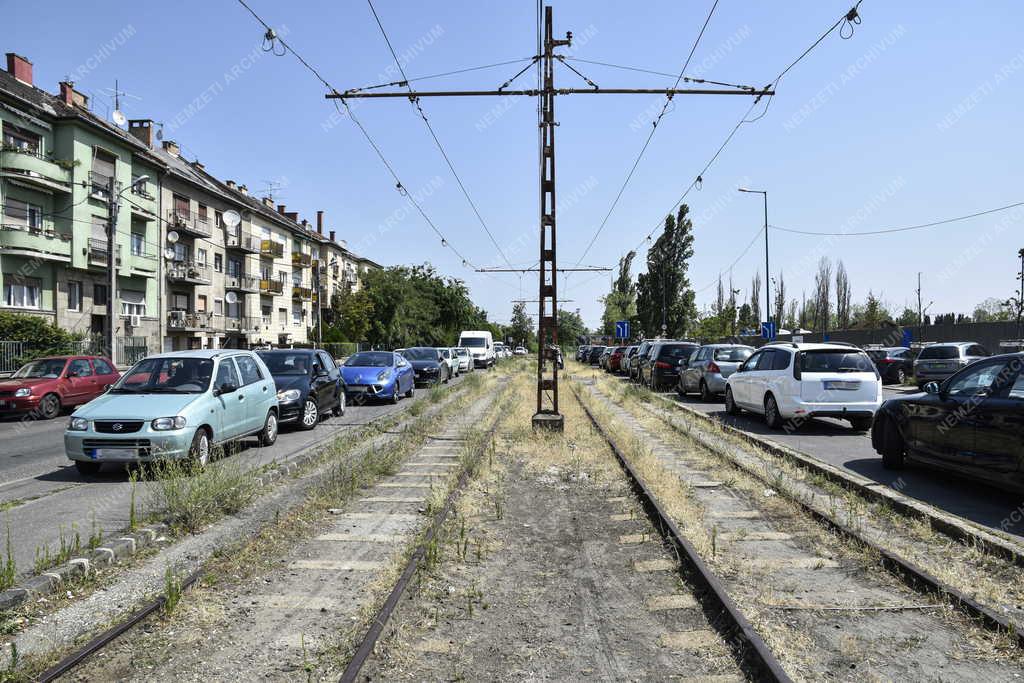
(920, 313)
(767, 276)
(113, 206)
(1020, 294)
(547, 415)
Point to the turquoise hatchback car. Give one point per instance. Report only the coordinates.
(175, 405)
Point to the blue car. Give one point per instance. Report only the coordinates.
(378, 375)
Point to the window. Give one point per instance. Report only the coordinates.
(201, 256)
(201, 303)
(138, 242)
(235, 309)
(234, 267)
(24, 140)
(74, 295)
(976, 350)
(99, 295)
(218, 262)
(731, 355)
(1017, 390)
(267, 312)
(297, 278)
(752, 362)
(218, 306)
(327, 361)
(102, 367)
(939, 353)
(218, 218)
(182, 206)
(22, 214)
(133, 302)
(179, 302)
(201, 214)
(248, 369)
(182, 252)
(266, 273)
(282, 315)
(79, 368)
(226, 374)
(103, 169)
(21, 292)
(296, 314)
(834, 360)
(780, 361)
(980, 379)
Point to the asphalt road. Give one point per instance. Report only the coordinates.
(834, 442)
(42, 494)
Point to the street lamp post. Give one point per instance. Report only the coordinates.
(113, 208)
(767, 272)
(1020, 295)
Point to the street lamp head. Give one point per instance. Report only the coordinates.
(744, 189)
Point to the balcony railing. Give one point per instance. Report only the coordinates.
(243, 282)
(188, 222)
(43, 241)
(301, 260)
(189, 272)
(242, 324)
(35, 167)
(302, 292)
(271, 287)
(183, 320)
(99, 249)
(243, 242)
(99, 185)
(271, 248)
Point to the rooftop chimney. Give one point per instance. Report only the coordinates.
(244, 190)
(280, 209)
(19, 67)
(71, 96)
(320, 222)
(231, 184)
(268, 202)
(142, 129)
(171, 147)
(292, 215)
(305, 224)
(198, 165)
(332, 235)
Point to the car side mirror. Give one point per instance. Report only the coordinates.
(226, 388)
(931, 388)
(71, 373)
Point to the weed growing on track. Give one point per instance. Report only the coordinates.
(187, 498)
(172, 591)
(9, 572)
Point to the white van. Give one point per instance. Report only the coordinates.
(480, 345)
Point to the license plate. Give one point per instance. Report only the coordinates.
(6, 404)
(97, 453)
(842, 385)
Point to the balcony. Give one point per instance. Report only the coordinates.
(142, 203)
(143, 262)
(188, 223)
(99, 250)
(241, 325)
(35, 168)
(244, 242)
(242, 282)
(183, 321)
(37, 243)
(189, 272)
(302, 292)
(271, 287)
(300, 260)
(99, 186)
(271, 249)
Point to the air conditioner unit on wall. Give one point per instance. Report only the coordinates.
(135, 320)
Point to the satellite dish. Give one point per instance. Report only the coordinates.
(160, 133)
(231, 218)
(118, 117)
(172, 237)
(231, 298)
(169, 254)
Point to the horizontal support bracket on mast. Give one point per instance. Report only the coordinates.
(558, 91)
(534, 270)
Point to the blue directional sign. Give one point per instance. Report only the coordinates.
(622, 329)
(908, 336)
(768, 330)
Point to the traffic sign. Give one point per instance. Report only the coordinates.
(622, 329)
(768, 330)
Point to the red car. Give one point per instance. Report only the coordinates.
(615, 359)
(45, 386)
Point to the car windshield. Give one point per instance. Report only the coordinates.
(939, 353)
(167, 375)
(835, 360)
(676, 351)
(462, 352)
(286, 363)
(370, 359)
(421, 353)
(733, 355)
(877, 355)
(39, 369)
(473, 342)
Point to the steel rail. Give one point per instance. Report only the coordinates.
(747, 644)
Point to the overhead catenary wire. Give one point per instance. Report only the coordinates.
(906, 228)
(686, 79)
(416, 103)
(416, 79)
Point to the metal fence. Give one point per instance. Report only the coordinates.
(130, 350)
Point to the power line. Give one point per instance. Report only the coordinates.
(647, 142)
(416, 103)
(886, 231)
(686, 79)
(440, 75)
(733, 264)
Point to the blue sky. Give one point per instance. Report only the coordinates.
(914, 119)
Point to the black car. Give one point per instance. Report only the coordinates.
(582, 352)
(895, 364)
(428, 364)
(309, 385)
(660, 368)
(594, 355)
(972, 423)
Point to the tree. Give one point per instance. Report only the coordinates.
(620, 303)
(842, 297)
(792, 320)
(908, 317)
(780, 302)
(755, 298)
(663, 292)
(570, 328)
(745, 319)
(521, 326)
(822, 295)
(873, 314)
(992, 309)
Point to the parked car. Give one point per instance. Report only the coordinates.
(971, 424)
(45, 386)
(378, 375)
(938, 361)
(638, 358)
(581, 352)
(520, 351)
(499, 350)
(614, 363)
(451, 360)
(594, 355)
(480, 345)
(788, 380)
(428, 365)
(710, 367)
(664, 362)
(465, 359)
(606, 352)
(895, 364)
(624, 361)
(309, 385)
(175, 405)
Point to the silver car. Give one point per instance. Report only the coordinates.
(465, 359)
(451, 359)
(936, 362)
(709, 367)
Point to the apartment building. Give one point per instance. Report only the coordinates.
(61, 168)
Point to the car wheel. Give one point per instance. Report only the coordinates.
(87, 468)
(269, 433)
(705, 393)
(730, 403)
(310, 414)
(771, 413)
(49, 407)
(411, 392)
(199, 451)
(339, 410)
(681, 389)
(893, 448)
(395, 396)
(447, 376)
(901, 376)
